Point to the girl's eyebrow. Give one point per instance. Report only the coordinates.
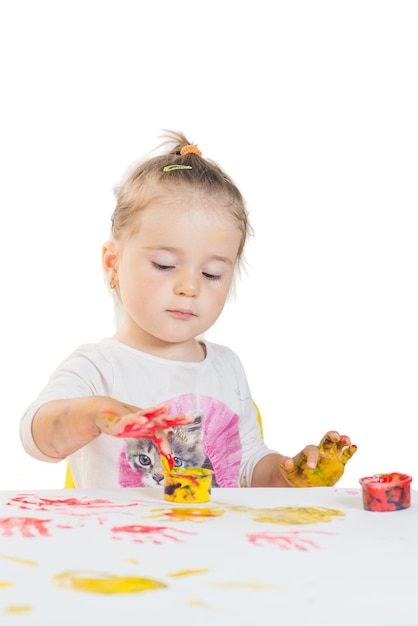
(172, 249)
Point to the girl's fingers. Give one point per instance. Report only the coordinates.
(348, 453)
(312, 456)
(330, 441)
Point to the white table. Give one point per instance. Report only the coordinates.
(250, 556)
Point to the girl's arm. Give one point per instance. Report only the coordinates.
(267, 472)
(61, 427)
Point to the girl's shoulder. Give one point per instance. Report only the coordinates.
(102, 349)
(90, 356)
(223, 354)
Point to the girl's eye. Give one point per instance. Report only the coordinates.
(162, 268)
(211, 276)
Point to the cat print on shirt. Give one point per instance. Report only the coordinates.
(186, 449)
(213, 441)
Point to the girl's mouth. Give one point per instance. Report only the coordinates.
(181, 314)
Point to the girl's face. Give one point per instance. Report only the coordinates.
(174, 274)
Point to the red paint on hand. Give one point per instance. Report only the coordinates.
(167, 459)
(150, 422)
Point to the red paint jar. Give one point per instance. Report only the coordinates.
(386, 492)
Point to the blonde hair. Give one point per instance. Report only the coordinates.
(180, 164)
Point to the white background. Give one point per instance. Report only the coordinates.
(312, 108)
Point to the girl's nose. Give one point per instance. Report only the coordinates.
(187, 285)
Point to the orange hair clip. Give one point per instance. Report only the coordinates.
(190, 149)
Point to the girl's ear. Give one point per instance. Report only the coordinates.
(110, 263)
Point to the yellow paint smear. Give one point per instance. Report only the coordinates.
(16, 560)
(106, 583)
(6, 584)
(291, 515)
(201, 605)
(187, 513)
(188, 572)
(18, 609)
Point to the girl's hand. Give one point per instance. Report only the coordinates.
(140, 423)
(319, 466)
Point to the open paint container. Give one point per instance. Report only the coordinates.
(386, 492)
(188, 484)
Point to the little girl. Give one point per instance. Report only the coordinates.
(177, 239)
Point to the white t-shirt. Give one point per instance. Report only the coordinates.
(224, 437)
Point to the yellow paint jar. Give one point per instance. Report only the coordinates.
(188, 484)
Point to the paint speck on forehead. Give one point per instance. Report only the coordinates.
(218, 235)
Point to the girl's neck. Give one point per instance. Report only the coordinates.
(190, 351)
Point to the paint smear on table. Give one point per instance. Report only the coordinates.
(286, 541)
(7, 557)
(351, 492)
(28, 526)
(199, 604)
(188, 514)
(98, 582)
(290, 515)
(31, 501)
(140, 533)
(188, 572)
(17, 609)
(6, 584)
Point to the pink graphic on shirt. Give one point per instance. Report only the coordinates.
(219, 441)
(128, 477)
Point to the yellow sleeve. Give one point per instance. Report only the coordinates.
(69, 482)
(259, 420)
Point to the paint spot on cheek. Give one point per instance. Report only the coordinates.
(96, 582)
